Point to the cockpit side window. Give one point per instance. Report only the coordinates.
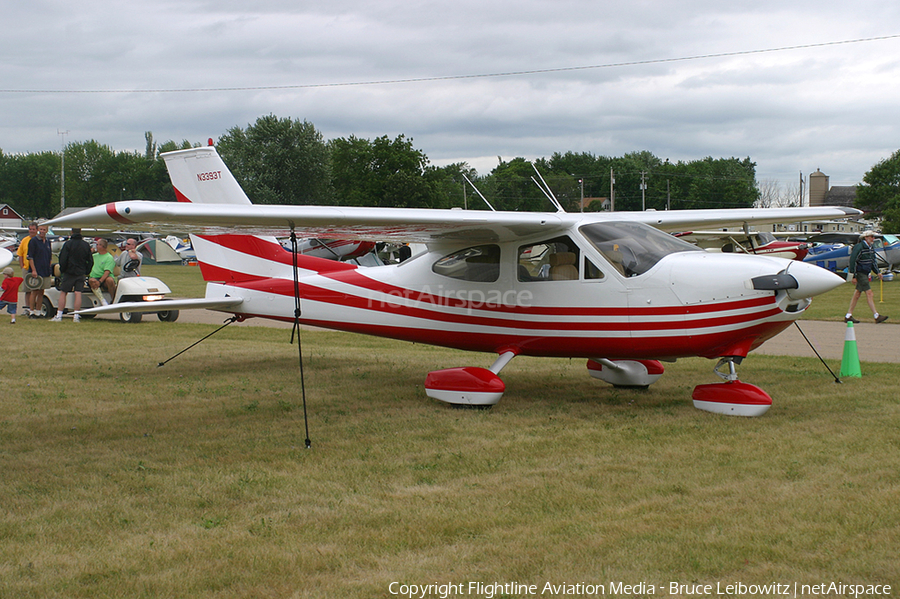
(480, 263)
(633, 248)
(591, 272)
(554, 259)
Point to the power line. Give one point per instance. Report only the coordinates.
(451, 77)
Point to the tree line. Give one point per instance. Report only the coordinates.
(288, 161)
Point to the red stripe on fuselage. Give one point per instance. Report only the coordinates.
(268, 250)
(708, 345)
(358, 279)
(627, 319)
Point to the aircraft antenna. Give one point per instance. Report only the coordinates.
(296, 330)
(478, 192)
(546, 189)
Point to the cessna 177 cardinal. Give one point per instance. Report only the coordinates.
(611, 288)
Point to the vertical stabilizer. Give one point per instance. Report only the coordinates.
(200, 176)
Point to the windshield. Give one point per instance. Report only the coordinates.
(765, 237)
(633, 248)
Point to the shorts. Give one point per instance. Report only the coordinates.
(862, 282)
(69, 283)
(10, 307)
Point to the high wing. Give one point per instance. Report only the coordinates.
(406, 224)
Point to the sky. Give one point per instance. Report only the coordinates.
(795, 86)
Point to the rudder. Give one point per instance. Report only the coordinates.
(200, 176)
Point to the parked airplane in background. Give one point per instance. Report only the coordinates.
(761, 243)
(333, 249)
(611, 288)
(833, 251)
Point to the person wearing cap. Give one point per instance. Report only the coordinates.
(862, 265)
(39, 257)
(75, 262)
(10, 297)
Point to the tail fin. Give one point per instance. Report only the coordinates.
(200, 176)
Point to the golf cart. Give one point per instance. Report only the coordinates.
(129, 289)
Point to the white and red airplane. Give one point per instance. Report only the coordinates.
(608, 287)
(761, 243)
(334, 249)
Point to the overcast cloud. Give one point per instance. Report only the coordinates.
(89, 68)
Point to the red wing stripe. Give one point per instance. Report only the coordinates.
(114, 214)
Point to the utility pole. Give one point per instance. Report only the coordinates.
(643, 192)
(62, 178)
(581, 181)
(801, 189)
(668, 197)
(612, 190)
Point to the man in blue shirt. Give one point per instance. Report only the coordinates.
(39, 256)
(862, 263)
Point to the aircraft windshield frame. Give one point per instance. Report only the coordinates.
(765, 237)
(633, 248)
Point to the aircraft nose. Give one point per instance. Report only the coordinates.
(800, 280)
(812, 280)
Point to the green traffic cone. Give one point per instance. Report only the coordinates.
(850, 361)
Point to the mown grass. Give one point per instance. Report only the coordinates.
(121, 479)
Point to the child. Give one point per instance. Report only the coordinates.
(10, 297)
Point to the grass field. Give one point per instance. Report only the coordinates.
(121, 479)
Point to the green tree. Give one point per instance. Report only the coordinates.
(30, 183)
(450, 186)
(879, 193)
(383, 172)
(509, 187)
(92, 174)
(279, 161)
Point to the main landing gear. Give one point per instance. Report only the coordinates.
(732, 397)
(470, 386)
(482, 387)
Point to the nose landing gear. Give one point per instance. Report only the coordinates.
(732, 397)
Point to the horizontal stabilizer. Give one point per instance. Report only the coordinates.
(164, 305)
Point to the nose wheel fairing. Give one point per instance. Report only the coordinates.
(732, 398)
(626, 373)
